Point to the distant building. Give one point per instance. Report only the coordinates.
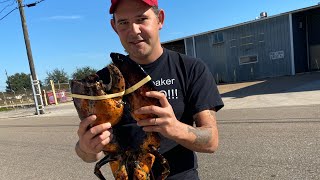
(279, 45)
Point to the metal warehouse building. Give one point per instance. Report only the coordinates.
(279, 45)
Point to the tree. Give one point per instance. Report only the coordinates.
(81, 73)
(18, 82)
(57, 76)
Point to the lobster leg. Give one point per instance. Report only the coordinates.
(99, 164)
(163, 161)
(143, 165)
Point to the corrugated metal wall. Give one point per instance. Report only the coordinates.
(306, 28)
(189, 47)
(177, 46)
(268, 40)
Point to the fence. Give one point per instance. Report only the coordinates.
(25, 98)
(16, 99)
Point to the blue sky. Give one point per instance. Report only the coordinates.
(70, 34)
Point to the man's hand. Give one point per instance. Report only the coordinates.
(166, 123)
(92, 140)
(202, 138)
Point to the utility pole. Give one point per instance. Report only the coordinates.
(37, 91)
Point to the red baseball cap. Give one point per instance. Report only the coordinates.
(114, 4)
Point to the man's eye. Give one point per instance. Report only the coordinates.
(122, 23)
(142, 19)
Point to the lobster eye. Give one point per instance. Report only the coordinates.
(116, 58)
(119, 58)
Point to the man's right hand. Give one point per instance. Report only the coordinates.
(92, 140)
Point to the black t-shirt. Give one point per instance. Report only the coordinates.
(190, 88)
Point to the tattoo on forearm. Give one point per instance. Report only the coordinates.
(203, 136)
(212, 113)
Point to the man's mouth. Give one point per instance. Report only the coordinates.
(136, 41)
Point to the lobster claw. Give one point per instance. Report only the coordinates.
(101, 94)
(135, 75)
(127, 161)
(102, 162)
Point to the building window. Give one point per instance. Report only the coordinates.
(248, 59)
(246, 40)
(261, 38)
(217, 38)
(233, 43)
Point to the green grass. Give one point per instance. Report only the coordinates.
(5, 109)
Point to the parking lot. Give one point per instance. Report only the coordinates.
(266, 132)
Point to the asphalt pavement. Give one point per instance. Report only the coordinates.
(298, 90)
(268, 129)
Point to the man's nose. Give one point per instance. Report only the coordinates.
(135, 28)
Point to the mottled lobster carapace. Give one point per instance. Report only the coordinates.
(132, 152)
(134, 75)
(106, 110)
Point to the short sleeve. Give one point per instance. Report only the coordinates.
(202, 91)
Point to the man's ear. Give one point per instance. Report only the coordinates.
(161, 17)
(113, 25)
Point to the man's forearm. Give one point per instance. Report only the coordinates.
(204, 137)
(87, 157)
(200, 139)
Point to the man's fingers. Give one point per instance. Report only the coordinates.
(149, 122)
(158, 95)
(149, 110)
(98, 129)
(83, 126)
(103, 141)
(152, 129)
(99, 138)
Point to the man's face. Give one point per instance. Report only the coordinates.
(138, 28)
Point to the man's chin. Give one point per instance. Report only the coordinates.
(138, 56)
(138, 52)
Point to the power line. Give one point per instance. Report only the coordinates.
(7, 6)
(33, 4)
(39, 1)
(4, 1)
(8, 13)
(25, 5)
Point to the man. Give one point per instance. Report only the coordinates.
(186, 90)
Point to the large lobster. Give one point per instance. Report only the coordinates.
(132, 152)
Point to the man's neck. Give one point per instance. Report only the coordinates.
(157, 52)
